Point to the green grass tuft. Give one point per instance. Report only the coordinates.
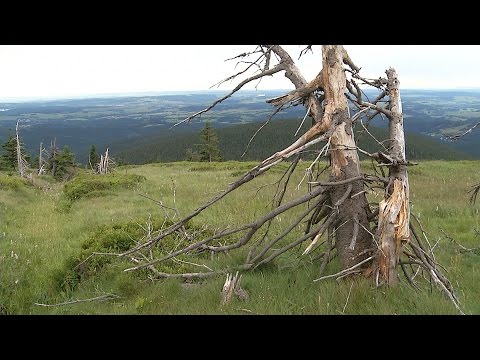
(42, 246)
(12, 183)
(89, 185)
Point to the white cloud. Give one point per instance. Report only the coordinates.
(49, 71)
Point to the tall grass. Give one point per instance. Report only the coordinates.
(36, 241)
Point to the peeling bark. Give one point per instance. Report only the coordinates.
(345, 163)
(394, 210)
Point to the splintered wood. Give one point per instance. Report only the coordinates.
(393, 229)
(105, 164)
(394, 210)
(231, 287)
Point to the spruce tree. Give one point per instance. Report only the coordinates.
(61, 163)
(8, 160)
(209, 150)
(93, 157)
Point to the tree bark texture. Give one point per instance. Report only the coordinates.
(394, 210)
(352, 238)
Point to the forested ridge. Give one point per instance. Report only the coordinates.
(172, 146)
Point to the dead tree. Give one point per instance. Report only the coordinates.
(106, 163)
(22, 163)
(42, 163)
(337, 216)
(394, 211)
(53, 152)
(474, 189)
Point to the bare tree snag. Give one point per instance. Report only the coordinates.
(232, 287)
(345, 162)
(336, 217)
(394, 210)
(22, 164)
(42, 163)
(475, 189)
(105, 165)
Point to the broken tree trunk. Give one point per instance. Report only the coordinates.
(394, 210)
(352, 237)
(103, 166)
(232, 287)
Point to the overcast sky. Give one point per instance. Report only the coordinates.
(48, 71)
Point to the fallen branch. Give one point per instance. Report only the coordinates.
(462, 248)
(346, 271)
(348, 297)
(98, 298)
(474, 190)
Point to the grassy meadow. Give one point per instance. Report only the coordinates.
(47, 229)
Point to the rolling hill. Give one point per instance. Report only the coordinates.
(120, 122)
(275, 136)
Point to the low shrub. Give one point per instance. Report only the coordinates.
(88, 185)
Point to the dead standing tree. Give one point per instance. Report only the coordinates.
(475, 189)
(366, 240)
(42, 163)
(22, 163)
(105, 165)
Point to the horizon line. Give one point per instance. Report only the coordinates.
(35, 98)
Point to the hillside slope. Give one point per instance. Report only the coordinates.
(43, 243)
(278, 134)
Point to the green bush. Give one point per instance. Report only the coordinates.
(116, 238)
(12, 183)
(89, 185)
(106, 239)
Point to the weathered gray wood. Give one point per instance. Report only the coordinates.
(344, 161)
(394, 210)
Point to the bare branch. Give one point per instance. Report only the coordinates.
(294, 75)
(348, 297)
(373, 137)
(252, 63)
(260, 129)
(299, 93)
(349, 62)
(271, 71)
(188, 276)
(98, 298)
(474, 190)
(379, 97)
(303, 120)
(286, 232)
(288, 247)
(252, 226)
(242, 55)
(304, 51)
(462, 248)
(346, 271)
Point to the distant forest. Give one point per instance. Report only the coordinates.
(273, 137)
(138, 129)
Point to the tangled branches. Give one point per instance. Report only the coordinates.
(336, 217)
